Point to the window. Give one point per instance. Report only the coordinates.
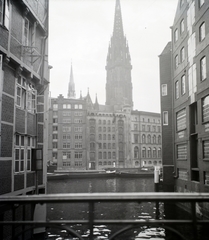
(149, 138)
(159, 139)
(182, 54)
(21, 93)
(136, 152)
(203, 68)
(181, 120)
(149, 153)
(78, 155)
(92, 156)
(159, 154)
(154, 139)
(66, 120)
(201, 2)
(55, 106)
(144, 152)
(4, 13)
(78, 145)
(135, 138)
(100, 156)
(54, 136)
(104, 155)
(54, 145)
(92, 137)
(66, 106)
(109, 136)
(78, 129)
(182, 26)
(113, 155)
(176, 61)
(92, 129)
(164, 89)
(206, 149)
(176, 35)
(27, 33)
(148, 128)
(154, 152)
(23, 153)
(143, 127)
(202, 31)
(181, 152)
(109, 156)
(66, 137)
(165, 118)
(135, 126)
(66, 129)
(78, 120)
(78, 114)
(177, 89)
(104, 136)
(109, 145)
(78, 137)
(183, 85)
(92, 146)
(66, 155)
(66, 114)
(66, 164)
(66, 145)
(205, 109)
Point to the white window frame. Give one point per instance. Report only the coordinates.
(177, 89)
(5, 13)
(183, 85)
(164, 90)
(165, 118)
(203, 70)
(202, 32)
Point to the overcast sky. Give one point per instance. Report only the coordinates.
(80, 32)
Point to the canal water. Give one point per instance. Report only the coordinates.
(137, 211)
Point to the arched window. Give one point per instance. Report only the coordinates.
(100, 155)
(104, 121)
(154, 152)
(143, 139)
(136, 152)
(92, 129)
(149, 138)
(144, 152)
(92, 137)
(136, 163)
(159, 139)
(109, 163)
(100, 163)
(155, 163)
(100, 136)
(154, 139)
(159, 153)
(92, 146)
(105, 163)
(104, 146)
(149, 153)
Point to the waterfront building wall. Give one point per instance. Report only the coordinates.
(190, 94)
(24, 79)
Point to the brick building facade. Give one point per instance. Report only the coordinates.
(23, 101)
(189, 90)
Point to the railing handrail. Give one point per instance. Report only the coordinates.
(86, 197)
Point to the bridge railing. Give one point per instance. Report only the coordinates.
(193, 200)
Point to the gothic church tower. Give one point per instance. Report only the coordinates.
(118, 80)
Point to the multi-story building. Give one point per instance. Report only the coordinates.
(189, 107)
(146, 139)
(23, 103)
(107, 137)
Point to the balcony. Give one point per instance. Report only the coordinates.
(191, 200)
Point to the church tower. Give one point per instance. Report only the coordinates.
(118, 66)
(71, 85)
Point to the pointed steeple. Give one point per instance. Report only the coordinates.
(71, 85)
(118, 67)
(118, 25)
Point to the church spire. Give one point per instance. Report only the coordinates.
(118, 67)
(118, 25)
(71, 85)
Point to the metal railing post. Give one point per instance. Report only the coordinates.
(91, 220)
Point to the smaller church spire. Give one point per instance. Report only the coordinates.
(71, 85)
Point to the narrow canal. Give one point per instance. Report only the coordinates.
(133, 210)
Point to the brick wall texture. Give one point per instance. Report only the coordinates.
(6, 140)
(7, 107)
(5, 176)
